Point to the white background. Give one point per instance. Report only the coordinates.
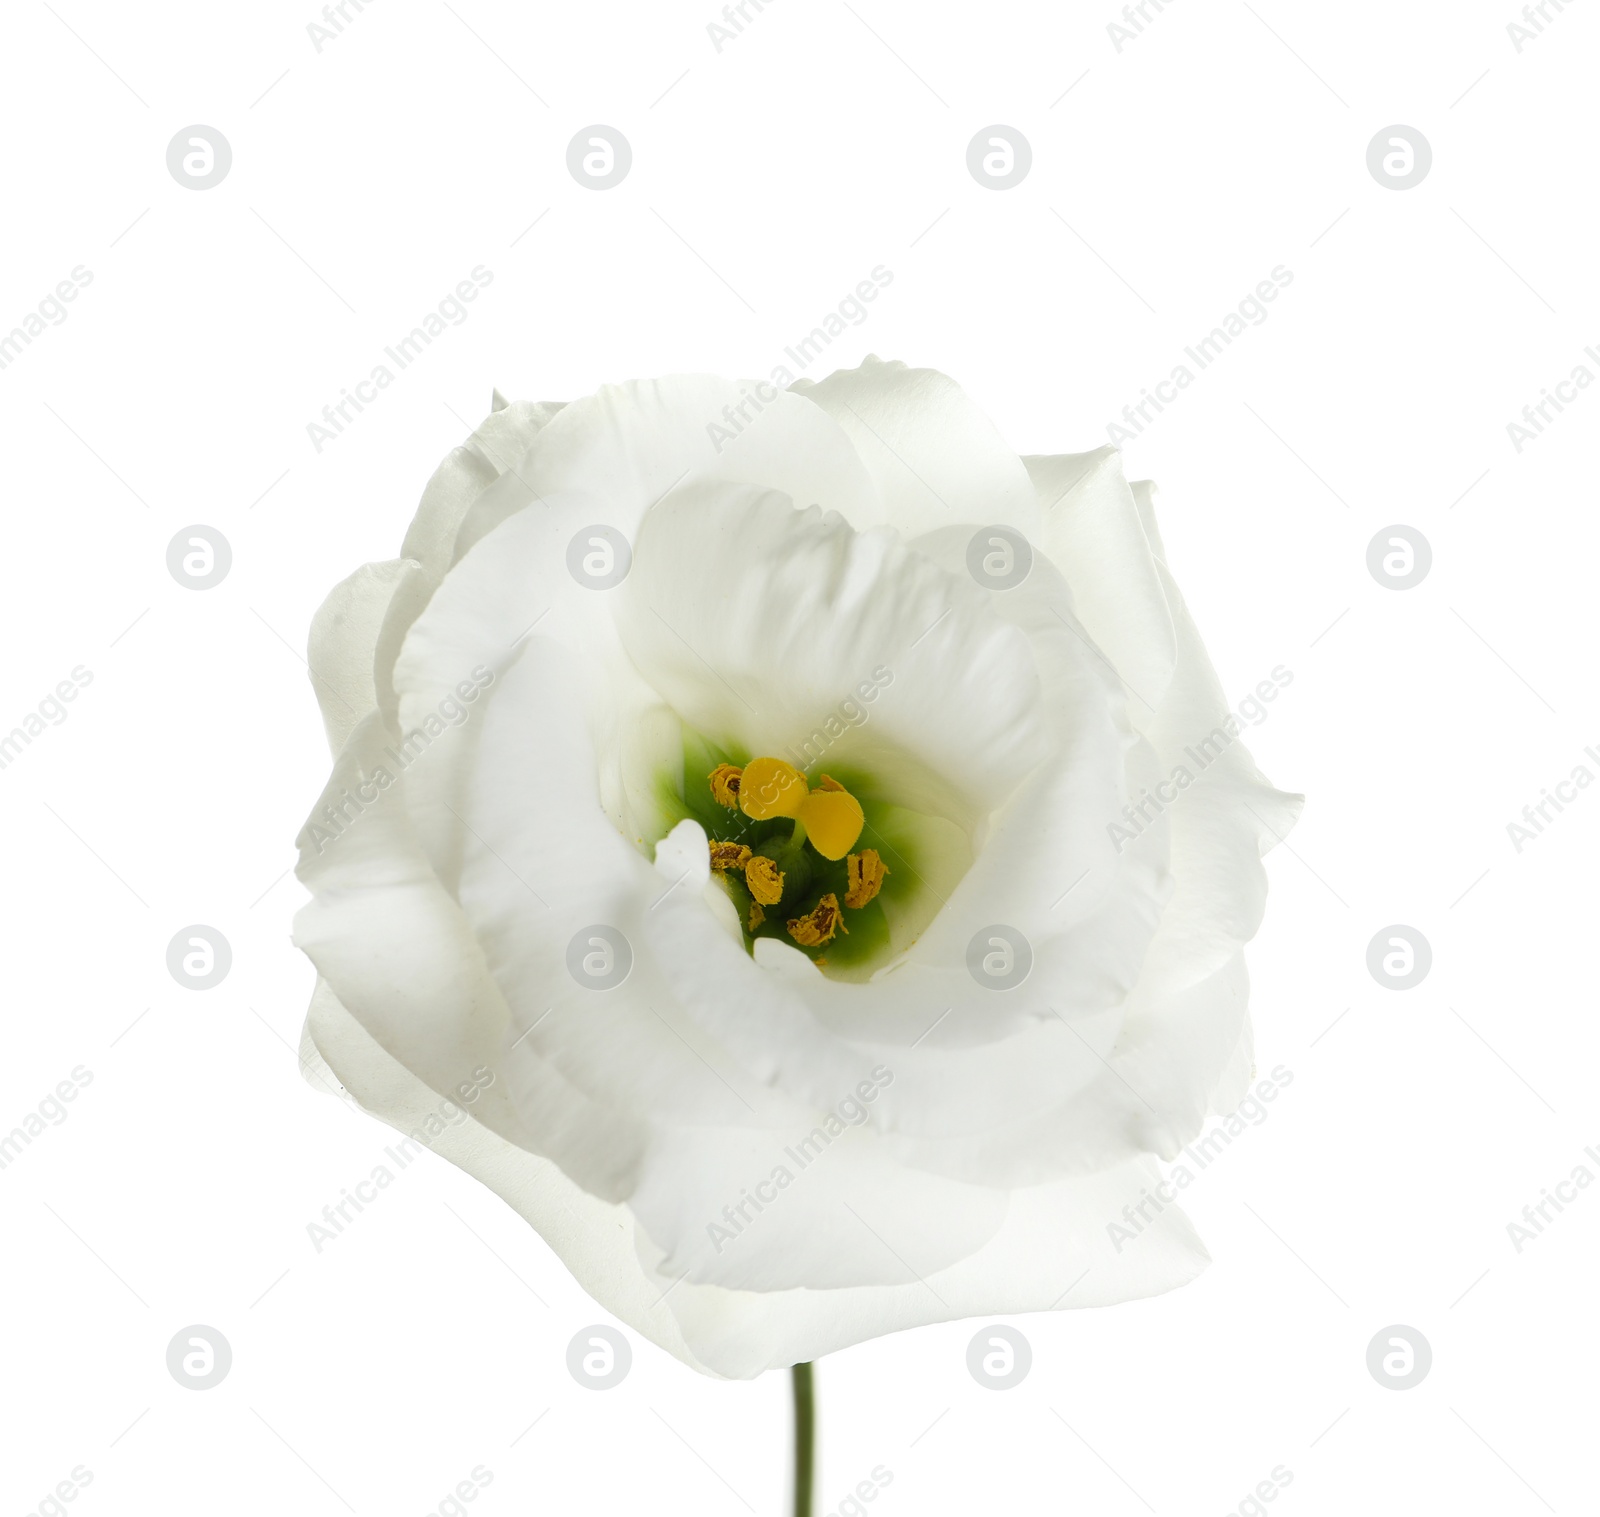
(768, 179)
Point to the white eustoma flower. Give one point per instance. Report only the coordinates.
(759, 1150)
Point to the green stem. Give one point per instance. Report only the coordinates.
(805, 1438)
(798, 837)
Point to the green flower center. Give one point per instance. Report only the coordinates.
(810, 861)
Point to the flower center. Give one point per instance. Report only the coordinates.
(783, 852)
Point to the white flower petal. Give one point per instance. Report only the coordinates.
(397, 952)
(496, 448)
(1055, 1250)
(757, 621)
(620, 450)
(935, 457)
(1093, 533)
(339, 651)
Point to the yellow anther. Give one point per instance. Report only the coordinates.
(769, 787)
(828, 782)
(765, 880)
(755, 918)
(726, 856)
(819, 924)
(865, 871)
(725, 785)
(833, 821)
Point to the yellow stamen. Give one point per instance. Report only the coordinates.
(819, 924)
(866, 872)
(726, 856)
(765, 880)
(770, 788)
(828, 782)
(725, 780)
(756, 917)
(833, 820)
